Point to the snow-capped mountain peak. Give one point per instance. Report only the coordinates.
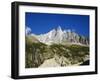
(61, 36)
(59, 29)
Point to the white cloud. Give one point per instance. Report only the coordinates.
(28, 30)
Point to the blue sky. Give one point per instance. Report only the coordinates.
(44, 22)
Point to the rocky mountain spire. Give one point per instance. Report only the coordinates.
(59, 28)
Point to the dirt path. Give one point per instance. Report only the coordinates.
(50, 63)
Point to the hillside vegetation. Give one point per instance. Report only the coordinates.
(65, 55)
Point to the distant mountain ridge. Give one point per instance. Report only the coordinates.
(60, 36)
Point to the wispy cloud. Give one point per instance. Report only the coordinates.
(28, 30)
